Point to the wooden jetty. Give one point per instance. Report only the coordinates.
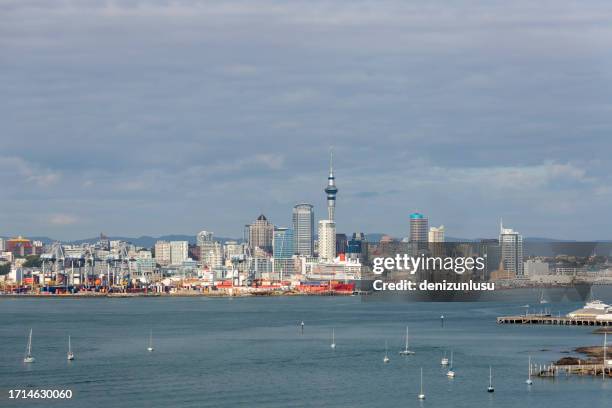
(552, 320)
(590, 369)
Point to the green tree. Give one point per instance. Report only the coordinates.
(5, 268)
(32, 261)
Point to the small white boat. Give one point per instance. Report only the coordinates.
(333, 343)
(70, 355)
(528, 381)
(490, 389)
(421, 395)
(28, 355)
(451, 373)
(150, 348)
(386, 358)
(444, 360)
(406, 351)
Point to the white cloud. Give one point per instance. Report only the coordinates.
(62, 219)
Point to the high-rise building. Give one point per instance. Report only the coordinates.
(436, 234)
(162, 252)
(206, 243)
(283, 252)
(2, 244)
(327, 240)
(178, 252)
(357, 247)
(418, 227)
(511, 243)
(303, 229)
(213, 257)
(331, 190)
(341, 243)
(261, 233)
(283, 243)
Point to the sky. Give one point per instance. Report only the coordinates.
(156, 117)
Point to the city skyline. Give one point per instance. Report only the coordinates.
(122, 120)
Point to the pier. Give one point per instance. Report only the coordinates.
(554, 370)
(551, 320)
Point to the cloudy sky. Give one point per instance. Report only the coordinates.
(152, 117)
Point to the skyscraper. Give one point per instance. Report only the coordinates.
(418, 227)
(261, 233)
(283, 251)
(205, 241)
(303, 229)
(283, 243)
(331, 190)
(327, 240)
(357, 247)
(511, 243)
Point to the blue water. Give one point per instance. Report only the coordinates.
(248, 352)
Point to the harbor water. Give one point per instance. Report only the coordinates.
(228, 352)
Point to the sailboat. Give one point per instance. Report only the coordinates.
(421, 395)
(150, 348)
(542, 300)
(490, 389)
(444, 360)
(528, 380)
(333, 343)
(386, 358)
(28, 356)
(70, 355)
(450, 373)
(406, 351)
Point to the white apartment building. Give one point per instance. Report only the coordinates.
(162, 253)
(327, 240)
(179, 252)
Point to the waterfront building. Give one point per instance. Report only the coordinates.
(260, 234)
(535, 267)
(145, 270)
(511, 243)
(303, 229)
(260, 267)
(162, 253)
(179, 251)
(2, 245)
(419, 228)
(327, 240)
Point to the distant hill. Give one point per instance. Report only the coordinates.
(142, 241)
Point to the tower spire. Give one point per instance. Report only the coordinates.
(331, 190)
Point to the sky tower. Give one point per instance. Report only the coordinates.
(331, 190)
